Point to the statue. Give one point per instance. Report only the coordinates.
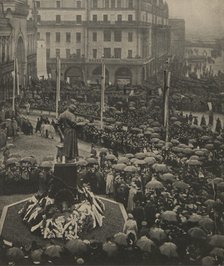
(68, 127)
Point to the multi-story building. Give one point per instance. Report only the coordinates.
(177, 36)
(17, 40)
(132, 37)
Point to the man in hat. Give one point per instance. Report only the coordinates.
(68, 123)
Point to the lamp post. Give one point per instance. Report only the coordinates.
(103, 83)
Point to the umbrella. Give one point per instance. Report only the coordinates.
(150, 160)
(36, 255)
(47, 164)
(155, 136)
(140, 162)
(187, 151)
(103, 151)
(155, 124)
(148, 133)
(217, 241)
(133, 160)
(205, 138)
(123, 160)
(210, 203)
(169, 216)
(162, 168)
(194, 163)
(181, 185)
(120, 166)
(111, 157)
(82, 163)
(219, 252)
(76, 247)
(110, 248)
(140, 135)
(169, 250)
(54, 251)
(175, 142)
(121, 239)
(92, 161)
(145, 244)
(199, 153)
(209, 146)
(129, 155)
(30, 159)
(154, 184)
(150, 154)
(217, 180)
(14, 253)
(157, 234)
(206, 261)
(197, 233)
(157, 129)
(207, 223)
(15, 155)
(140, 155)
(177, 123)
(154, 140)
(11, 161)
(130, 169)
(168, 177)
(194, 158)
(194, 218)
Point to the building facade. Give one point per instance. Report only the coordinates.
(177, 36)
(132, 37)
(17, 40)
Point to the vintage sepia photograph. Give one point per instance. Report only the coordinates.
(112, 132)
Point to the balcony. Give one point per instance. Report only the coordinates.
(118, 24)
(121, 61)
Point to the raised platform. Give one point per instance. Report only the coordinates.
(13, 229)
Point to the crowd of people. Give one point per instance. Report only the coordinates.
(173, 194)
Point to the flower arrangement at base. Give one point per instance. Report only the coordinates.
(63, 217)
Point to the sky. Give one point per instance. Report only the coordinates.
(203, 18)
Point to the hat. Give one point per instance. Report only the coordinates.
(80, 261)
(72, 108)
(130, 216)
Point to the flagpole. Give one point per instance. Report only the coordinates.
(103, 81)
(14, 87)
(167, 77)
(58, 85)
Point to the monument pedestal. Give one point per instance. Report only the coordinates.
(66, 172)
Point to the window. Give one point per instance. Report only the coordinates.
(130, 18)
(105, 18)
(58, 52)
(130, 37)
(94, 53)
(79, 18)
(78, 36)
(58, 37)
(107, 3)
(38, 35)
(58, 19)
(130, 4)
(119, 17)
(95, 18)
(68, 54)
(78, 52)
(38, 4)
(118, 36)
(94, 36)
(48, 37)
(118, 3)
(48, 53)
(117, 52)
(107, 53)
(38, 18)
(130, 54)
(95, 3)
(112, 3)
(107, 35)
(58, 4)
(78, 4)
(68, 36)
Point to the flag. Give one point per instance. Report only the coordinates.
(211, 114)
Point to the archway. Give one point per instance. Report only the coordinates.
(75, 75)
(97, 75)
(20, 56)
(123, 76)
